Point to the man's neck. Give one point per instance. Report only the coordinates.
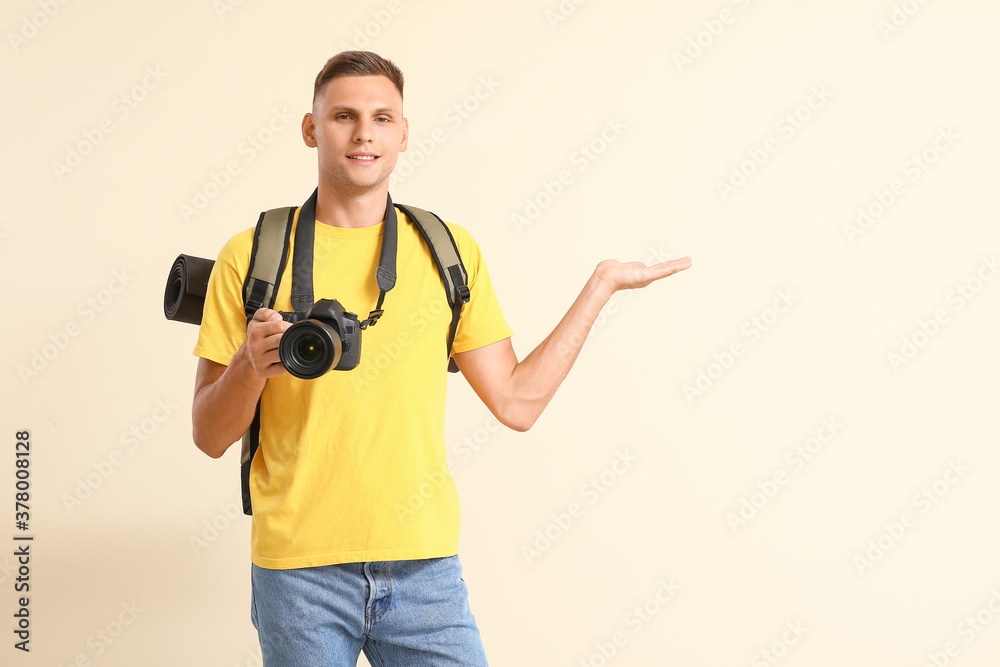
(353, 210)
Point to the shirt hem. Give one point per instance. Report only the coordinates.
(416, 553)
(212, 355)
(481, 342)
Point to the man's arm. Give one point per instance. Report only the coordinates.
(225, 397)
(517, 392)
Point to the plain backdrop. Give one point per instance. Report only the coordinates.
(784, 455)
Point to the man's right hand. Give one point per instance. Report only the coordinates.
(225, 397)
(263, 336)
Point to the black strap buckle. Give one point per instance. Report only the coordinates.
(372, 318)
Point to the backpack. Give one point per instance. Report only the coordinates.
(187, 283)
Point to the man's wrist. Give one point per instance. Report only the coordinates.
(599, 287)
(245, 371)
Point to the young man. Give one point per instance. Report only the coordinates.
(343, 559)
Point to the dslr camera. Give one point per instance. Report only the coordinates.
(322, 338)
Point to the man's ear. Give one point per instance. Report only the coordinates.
(406, 135)
(309, 130)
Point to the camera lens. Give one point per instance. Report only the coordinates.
(309, 349)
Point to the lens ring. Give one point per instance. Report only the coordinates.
(309, 349)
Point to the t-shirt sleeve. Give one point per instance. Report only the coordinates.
(223, 322)
(481, 322)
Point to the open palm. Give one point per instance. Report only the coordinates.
(631, 275)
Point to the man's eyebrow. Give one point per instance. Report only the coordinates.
(337, 108)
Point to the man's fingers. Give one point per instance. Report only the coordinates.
(644, 275)
(268, 329)
(270, 358)
(267, 315)
(679, 264)
(267, 336)
(668, 268)
(267, 323)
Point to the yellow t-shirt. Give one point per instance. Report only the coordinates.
(351, 466)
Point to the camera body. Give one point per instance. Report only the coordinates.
(326, 337)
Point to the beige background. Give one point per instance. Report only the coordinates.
(672, 132)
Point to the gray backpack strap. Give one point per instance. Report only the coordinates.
(251, 441)
(449, 263)
(267, 259)
(260, 289)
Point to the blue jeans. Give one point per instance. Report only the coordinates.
(403, 612)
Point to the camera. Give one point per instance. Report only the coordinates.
(323, 338)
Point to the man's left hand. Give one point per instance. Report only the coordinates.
(615, 275)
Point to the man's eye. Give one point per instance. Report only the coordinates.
(383, 119)
(343, 116)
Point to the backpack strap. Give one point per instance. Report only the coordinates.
(267, 259)
(270, 254)
(251, 441)
(260, 289)
(444, 250)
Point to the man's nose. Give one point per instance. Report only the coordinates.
(364, 131)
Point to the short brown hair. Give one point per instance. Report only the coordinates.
(358, 63)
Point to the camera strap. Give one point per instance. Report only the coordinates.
(302, 262)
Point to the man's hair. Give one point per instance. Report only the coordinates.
(358, 63)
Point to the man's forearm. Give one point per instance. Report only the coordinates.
(535, 379)
(224, 408)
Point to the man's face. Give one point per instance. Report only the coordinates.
(358, 129)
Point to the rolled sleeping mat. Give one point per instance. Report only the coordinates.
(187, 284)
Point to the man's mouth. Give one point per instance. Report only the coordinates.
(363, 158)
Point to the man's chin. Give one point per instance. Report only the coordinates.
(350, 183)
